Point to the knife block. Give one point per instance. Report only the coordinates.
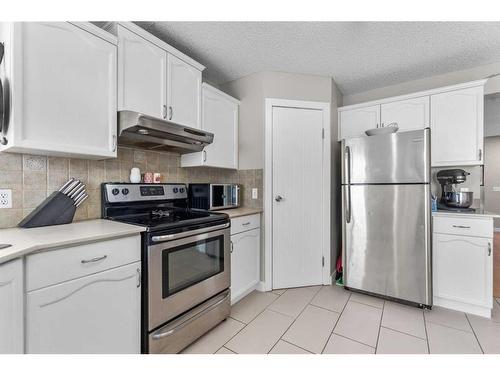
(56, 209)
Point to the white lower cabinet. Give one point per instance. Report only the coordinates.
(245, 262)
(99, 313)
(463, 268)
(11, 307)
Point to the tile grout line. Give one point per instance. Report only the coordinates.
(404, 333)
(337, 322)
(291, 324)
(232, 351)
(291, 343)
(356, 341)
(246, 324)
(474, 332)
(379, 327)
(426, 334)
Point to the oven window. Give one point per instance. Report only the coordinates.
(192, 263)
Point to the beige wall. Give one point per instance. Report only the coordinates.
(492, 86)
(32, 178)
(252, 91)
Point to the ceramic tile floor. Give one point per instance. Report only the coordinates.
(331, 320)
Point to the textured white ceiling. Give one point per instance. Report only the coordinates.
(359, 55)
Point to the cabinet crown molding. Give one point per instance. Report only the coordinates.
(417, 94)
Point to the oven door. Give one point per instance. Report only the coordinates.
(185, 272)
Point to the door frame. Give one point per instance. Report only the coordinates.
(268, 185)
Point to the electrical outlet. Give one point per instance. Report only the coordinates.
(5, 198)
(255, 193)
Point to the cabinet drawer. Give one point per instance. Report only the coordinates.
(476, 227)
(244, 223)
(53, 267)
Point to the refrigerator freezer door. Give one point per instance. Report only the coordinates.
(398, 158)
(387, 240)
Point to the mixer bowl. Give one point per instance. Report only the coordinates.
(461, 199)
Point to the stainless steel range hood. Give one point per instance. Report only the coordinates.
(139, 130)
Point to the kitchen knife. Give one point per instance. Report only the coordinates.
(77, 191)
(80, 200)
(66, 184)
(79, 196)
(70, 187)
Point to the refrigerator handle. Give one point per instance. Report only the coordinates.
(348, 172)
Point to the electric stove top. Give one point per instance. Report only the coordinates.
(154, 206)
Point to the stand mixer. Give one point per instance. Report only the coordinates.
(451, 199)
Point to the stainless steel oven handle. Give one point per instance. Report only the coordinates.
(189, 318)
(176, 236)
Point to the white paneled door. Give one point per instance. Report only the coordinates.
(297, 188)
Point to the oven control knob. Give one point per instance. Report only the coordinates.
(181, 190)
(175, 190)
(125, 191)
(115, 191)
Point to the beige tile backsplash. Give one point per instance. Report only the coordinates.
(32, 178)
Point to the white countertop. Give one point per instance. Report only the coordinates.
(241, 211)
(26, 241)
(479, 213)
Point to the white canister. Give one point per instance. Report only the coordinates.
(135, 175)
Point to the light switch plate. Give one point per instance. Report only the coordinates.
(5, 198)
(255, 193)
(496, 188)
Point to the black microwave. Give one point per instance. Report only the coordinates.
(214, 196)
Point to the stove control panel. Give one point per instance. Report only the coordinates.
(116, 193)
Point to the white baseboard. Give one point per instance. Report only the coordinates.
(261, 287)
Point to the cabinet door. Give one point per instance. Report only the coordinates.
(245, 263)
(64, 81)
(353, 123)
(142, 75)
(463, 269)
(100, 313)
(411, 114)
(184, 92)
(457, 127)
(11, 308)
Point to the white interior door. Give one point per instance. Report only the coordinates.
(297, 217)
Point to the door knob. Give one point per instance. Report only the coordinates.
(278, 198)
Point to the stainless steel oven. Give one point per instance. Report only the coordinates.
(214, 196)
(188, 279)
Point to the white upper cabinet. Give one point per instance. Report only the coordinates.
(457, 127)
(220, 117)
(63, 85)
(410, 114)
(11, 307)
(453, 113)
(183, 93)
(156, 79)
(142, 75)
(355, 122)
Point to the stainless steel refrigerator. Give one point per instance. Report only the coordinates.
(387, 214)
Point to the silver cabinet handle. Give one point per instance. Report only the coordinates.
(170, 112)
(348, 170)
(164, 110)
(245, 224)
(204, 156)
(114, 142)
(278, 198)
(232, 247)
(489, 248)
(461, 226)
(138, 278)
(93, 260)
(480, 154)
